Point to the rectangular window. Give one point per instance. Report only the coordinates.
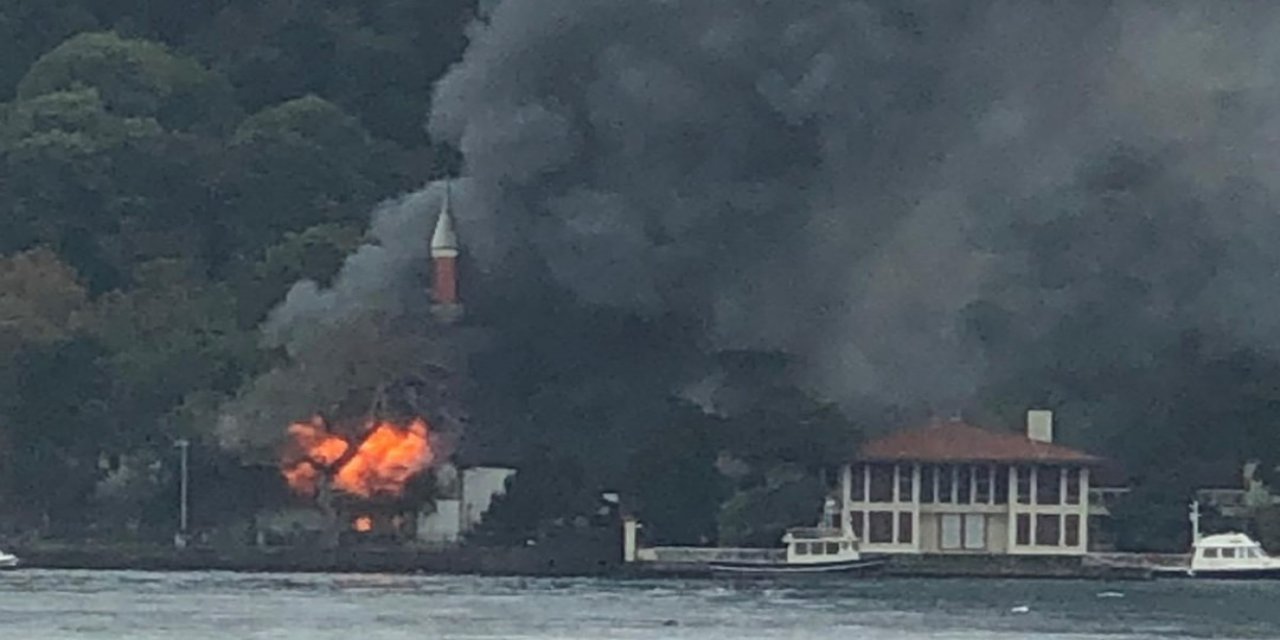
(1073, 485)
(1071, 531)
(1211, 552)
(926, 483)
(904, 483)
(904, 528)
(1024, 485)
(975, 532)
(881, 483)
(859, 486)
(1001, 484)
(1047, 530)
(881, 527)
(1024, 529)
(802, 548)
(1228, 552)
(951, 532)
(857, 517)
(964, 479)
(1048, 486)
(982, 485)
(946, 483)
(833, 548)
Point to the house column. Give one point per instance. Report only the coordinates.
(1084, 508)
(1012, 527)
(897, 499)
(915, 507)
(846, 498)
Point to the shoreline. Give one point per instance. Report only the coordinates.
(580, 560)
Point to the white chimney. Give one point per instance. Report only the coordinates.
(1040, 425)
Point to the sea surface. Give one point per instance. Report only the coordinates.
(194, 606)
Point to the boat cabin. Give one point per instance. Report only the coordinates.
(1228, 551)
(819, 545)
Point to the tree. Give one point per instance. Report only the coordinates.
(135, 78)
(760, 515)
(296, 165)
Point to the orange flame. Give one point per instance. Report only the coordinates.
(363, 524)
(387, 457)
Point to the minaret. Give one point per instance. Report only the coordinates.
(445, 305)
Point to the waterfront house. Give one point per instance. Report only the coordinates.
(952, 488)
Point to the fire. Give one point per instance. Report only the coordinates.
(387, 455)
(363, 524)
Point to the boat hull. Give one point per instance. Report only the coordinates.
(1268, 573)
(781, 569)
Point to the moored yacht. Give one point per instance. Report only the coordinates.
(822, 549)
(8, 560)
(1224, 555)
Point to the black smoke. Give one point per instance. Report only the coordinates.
(923, 201)
(942, 206)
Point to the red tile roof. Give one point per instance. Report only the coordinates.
(956, 441)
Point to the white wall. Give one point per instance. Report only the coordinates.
(479, 486)
(443, 526)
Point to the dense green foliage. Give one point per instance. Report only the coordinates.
(167, 171)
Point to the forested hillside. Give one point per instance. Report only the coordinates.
(167, 170)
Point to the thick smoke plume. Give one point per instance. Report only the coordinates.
(918, 198)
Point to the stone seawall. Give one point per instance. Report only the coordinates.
(584, 558)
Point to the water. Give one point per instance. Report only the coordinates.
(195, 606)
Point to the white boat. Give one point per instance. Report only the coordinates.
(1224, 555)
(808, 550)
(8, 560)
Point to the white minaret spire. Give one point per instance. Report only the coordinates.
(444, 242)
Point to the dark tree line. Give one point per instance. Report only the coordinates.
(167, 171)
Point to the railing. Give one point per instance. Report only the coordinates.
(683, 555)
(814, 533)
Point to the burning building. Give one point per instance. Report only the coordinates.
(365, 470)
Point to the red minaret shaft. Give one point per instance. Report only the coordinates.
(444, 263)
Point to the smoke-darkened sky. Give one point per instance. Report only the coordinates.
(855, 181)
(915, 198)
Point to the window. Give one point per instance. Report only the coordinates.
(982, 484)
(1024, 529)
(881, 483)
(946, 482)
(880, 524)
(1211, 552)
(904, 527)
(1048, 487)
(1024, 485)
(1001, 484)
(904, 483)
(844, 546)
(1047, 529)
(833, 548)
(1228, 552)
(802, 548)
(927, 475)
(1073, 485)
(975, 531)
(857, 517)
(859, 488)
(964, 477)
(1255, 553)
(951, 532)
(1071, 531)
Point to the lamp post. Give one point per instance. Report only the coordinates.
(180, 538)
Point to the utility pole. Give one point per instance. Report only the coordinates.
(1194, 516)
(180, 538)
